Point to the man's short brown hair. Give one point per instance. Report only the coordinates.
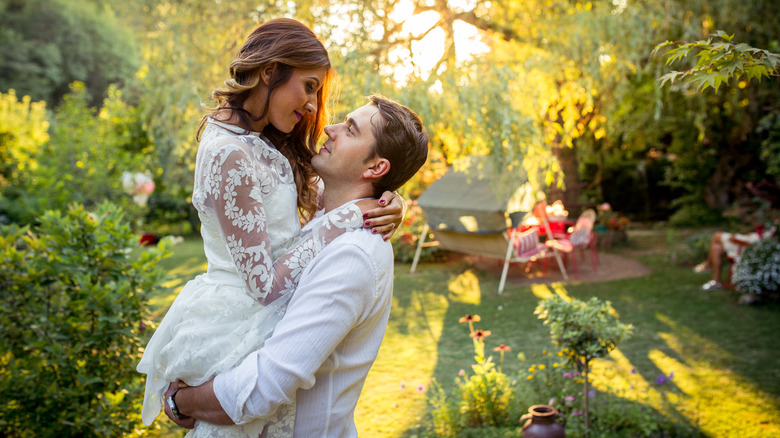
(401, 139)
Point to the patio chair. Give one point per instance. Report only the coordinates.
(524, 247)
(540, 212)
(582, 237)
(513, 246)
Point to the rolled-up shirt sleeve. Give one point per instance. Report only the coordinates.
(334, 295)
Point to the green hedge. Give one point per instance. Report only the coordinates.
(71, 322)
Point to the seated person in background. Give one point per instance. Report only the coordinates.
(730, 245)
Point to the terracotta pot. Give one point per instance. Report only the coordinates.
(541, 423)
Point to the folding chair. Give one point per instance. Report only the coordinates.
(526, 248)
(581, 237)
(540, 212)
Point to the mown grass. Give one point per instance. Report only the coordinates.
(725, 357)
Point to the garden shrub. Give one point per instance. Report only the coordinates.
(87, 151)
(757, 270)
(483, 399)
(23, 129)
(71, 322)
(695, 214)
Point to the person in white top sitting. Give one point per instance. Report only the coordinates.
(323, 347)
(729, 245)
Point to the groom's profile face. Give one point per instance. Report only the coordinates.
(349, 145)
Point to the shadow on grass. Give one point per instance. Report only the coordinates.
(721, 356)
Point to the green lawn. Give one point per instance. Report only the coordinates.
(725, 357)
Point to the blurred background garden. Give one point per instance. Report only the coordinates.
(666, 111)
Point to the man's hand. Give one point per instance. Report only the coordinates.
(183, 420)
(196, 403)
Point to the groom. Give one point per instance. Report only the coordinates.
(322, 349)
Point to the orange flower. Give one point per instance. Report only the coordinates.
(480, 334)
(502, 348)
(469, 318)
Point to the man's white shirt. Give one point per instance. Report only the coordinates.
(324, 346)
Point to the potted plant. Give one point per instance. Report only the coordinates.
(610, 225)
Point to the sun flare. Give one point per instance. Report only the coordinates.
(422, 56)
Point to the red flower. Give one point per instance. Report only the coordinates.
(469, 318)
(480, 334)
(148, 240)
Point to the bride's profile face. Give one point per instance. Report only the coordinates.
(295, 99)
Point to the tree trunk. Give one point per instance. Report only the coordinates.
(567, 158)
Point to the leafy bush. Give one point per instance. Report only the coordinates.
(71, 322)
(694, 214)
(484, 399)
(584, 331)
(758, 268)
(23, 129)
(83, 160)
(485, 396)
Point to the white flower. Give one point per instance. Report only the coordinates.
(138, 185)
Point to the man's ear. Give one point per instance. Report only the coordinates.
(378, 167)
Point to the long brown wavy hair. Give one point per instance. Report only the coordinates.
(286, 45)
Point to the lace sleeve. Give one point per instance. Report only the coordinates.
(236, 185)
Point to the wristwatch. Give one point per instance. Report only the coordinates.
(172, 404)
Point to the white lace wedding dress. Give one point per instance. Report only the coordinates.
(246, 200)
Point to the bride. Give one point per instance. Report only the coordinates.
(248, 193)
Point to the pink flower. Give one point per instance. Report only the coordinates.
(569, 398)
(421, 388)
(144, 189)
(604, 207)
(576, 413)
(461, 373)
